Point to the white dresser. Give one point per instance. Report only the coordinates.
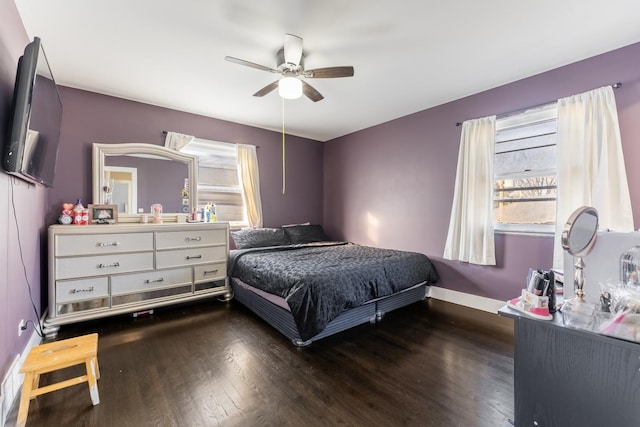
(102, 270)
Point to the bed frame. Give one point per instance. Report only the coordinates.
(282, 319)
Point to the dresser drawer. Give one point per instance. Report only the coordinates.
(95, 244)
(77, 290)
(189, 239)
(128, 283)
(208, 272)
(76, 307)
(67, 268)
(180, 257)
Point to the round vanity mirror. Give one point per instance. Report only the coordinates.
(578, 237)
(580, 231)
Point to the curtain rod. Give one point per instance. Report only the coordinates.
(614, 85)
(164, 132)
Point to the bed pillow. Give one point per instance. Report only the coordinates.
(258, 237)
(302, 223)
(298, 234)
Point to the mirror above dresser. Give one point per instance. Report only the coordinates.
(134, 176)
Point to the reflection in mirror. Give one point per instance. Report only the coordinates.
(121, 188)
(135, 176)
(158, 181)
(578, 238)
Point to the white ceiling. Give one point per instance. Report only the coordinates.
(409, 55)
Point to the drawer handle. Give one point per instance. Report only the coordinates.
(194, 257)
(77, 291)
(192, 239)
(154, 281)
(113, 264)
(101, 244)
(211, 272)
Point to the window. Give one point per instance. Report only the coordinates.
(525, 171)
(218, 179)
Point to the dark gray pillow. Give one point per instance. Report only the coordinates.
(258, 237)
(298, 234)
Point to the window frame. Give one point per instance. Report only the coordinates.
(223, 147)
(529, 117)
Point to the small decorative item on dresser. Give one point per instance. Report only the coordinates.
(80, 214)
(103, 214)
(185, 196)
(156, 212)
(66, 217)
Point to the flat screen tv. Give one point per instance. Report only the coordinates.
(31, 147)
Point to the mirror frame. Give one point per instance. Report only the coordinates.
(101, 150)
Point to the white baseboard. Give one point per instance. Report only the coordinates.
(12, 382)
(464, 299)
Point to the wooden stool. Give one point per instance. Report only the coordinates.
(59, 355)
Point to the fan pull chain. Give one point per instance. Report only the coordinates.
(283, 151)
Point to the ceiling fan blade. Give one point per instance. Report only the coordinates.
(249, 64)
(310, 92)
(268, 88)
(329, 72)
(292, 49)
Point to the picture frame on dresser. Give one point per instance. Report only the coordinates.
(103, 214)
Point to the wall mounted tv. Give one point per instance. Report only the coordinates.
(31, 147)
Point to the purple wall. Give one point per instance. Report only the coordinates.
(90, 117)
(29, 203)
(392, 185)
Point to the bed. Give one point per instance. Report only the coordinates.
(309, 287)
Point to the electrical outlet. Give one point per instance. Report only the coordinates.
(21, 327)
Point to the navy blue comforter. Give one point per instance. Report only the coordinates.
(321, 280)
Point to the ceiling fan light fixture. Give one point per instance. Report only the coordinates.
(290, 60)
(290, 87)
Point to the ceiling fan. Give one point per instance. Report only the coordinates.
(290, 60)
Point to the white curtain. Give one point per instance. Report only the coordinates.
(591, 170)
(471, 235)
(176, 141)
(250, 179)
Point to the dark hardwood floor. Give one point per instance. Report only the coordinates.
(216, 364)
